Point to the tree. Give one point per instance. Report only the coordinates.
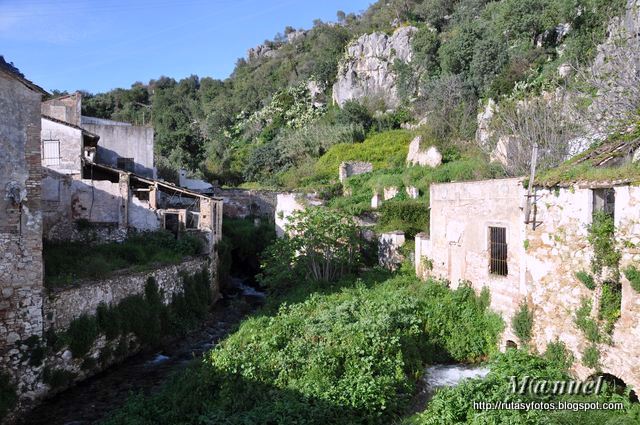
(320, 243)
(518, 126)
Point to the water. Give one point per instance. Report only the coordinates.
(93, 399)
(439, 376)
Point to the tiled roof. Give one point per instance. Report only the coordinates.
(11, 70)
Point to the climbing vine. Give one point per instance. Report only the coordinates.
(604, 280)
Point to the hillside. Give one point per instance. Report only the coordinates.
(431, 62)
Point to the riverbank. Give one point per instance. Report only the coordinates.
(92, 400)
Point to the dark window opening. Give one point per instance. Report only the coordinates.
(498, 251)
(511, 344)
(192, 220)
(172, 223)
(125, 164)
(604, 200)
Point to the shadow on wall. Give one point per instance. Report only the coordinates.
(67, 202)
(110, 158)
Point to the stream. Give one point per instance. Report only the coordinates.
(93, 399)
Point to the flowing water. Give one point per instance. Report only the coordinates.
(93, 399)
(439, 376)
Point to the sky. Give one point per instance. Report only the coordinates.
(100, 45)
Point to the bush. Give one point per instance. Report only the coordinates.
(82, 333)
(591, 356)
(585, 323)
(522, 323)
(344, 357)
(410, 217)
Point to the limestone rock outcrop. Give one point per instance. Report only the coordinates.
(429, 157)
(367, 70)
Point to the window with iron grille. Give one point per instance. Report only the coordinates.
(125, 164)
(604, 200)
(498, 251)
(51, 152)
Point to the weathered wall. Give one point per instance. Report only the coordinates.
(64, 305)
(241, 203)
(353, 168)
(557, 249)
(542, 261)
(123, 140)
(20, 224)
(65, 108)
(70, 140)
(458, 248)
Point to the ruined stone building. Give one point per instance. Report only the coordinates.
(480, 233)
(101, 172)
(21, 288)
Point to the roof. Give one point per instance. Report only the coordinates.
(68, 124)
(160, 183)
(11, 70)
(610, 163)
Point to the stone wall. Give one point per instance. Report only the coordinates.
(241, 203)
(20, 221)
(556, 250)
(64, 305)
(542, 260)
(353, 168)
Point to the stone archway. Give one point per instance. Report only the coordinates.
(618, 384)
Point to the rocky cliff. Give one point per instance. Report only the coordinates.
(367, 69)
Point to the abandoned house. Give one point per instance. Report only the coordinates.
(481, 233)
(101, 172)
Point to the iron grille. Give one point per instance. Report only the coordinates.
(498, 251)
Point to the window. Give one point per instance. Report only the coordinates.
(125, 164)
(604, 200)
(51, 152)
(498, 251)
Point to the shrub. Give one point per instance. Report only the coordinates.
(57, 378)
(410, 217)
(82, 333)
(585, 323)
(557, 353)
(522, 323)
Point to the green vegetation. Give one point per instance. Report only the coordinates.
(8, 395)
(145, 316)
(633, 275)
(66, 263)
(455, 405)
(350, 355)
(586, 279)
(522, 323)
(408, 216)
(322, 244)
(506, 48)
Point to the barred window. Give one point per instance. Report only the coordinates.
(498, 251)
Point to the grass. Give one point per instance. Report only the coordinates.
(65, 263)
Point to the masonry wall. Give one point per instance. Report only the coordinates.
(121, 140)
(458, 248)
(65, 108)
(556, 250)
(20, 225)
(241, 203)
(70, 140)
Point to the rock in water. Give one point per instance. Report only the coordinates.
(367, 70)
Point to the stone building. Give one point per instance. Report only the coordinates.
(480, 234)
(99, 174)
(21, 287)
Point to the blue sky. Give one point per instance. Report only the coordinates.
(99, 45)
